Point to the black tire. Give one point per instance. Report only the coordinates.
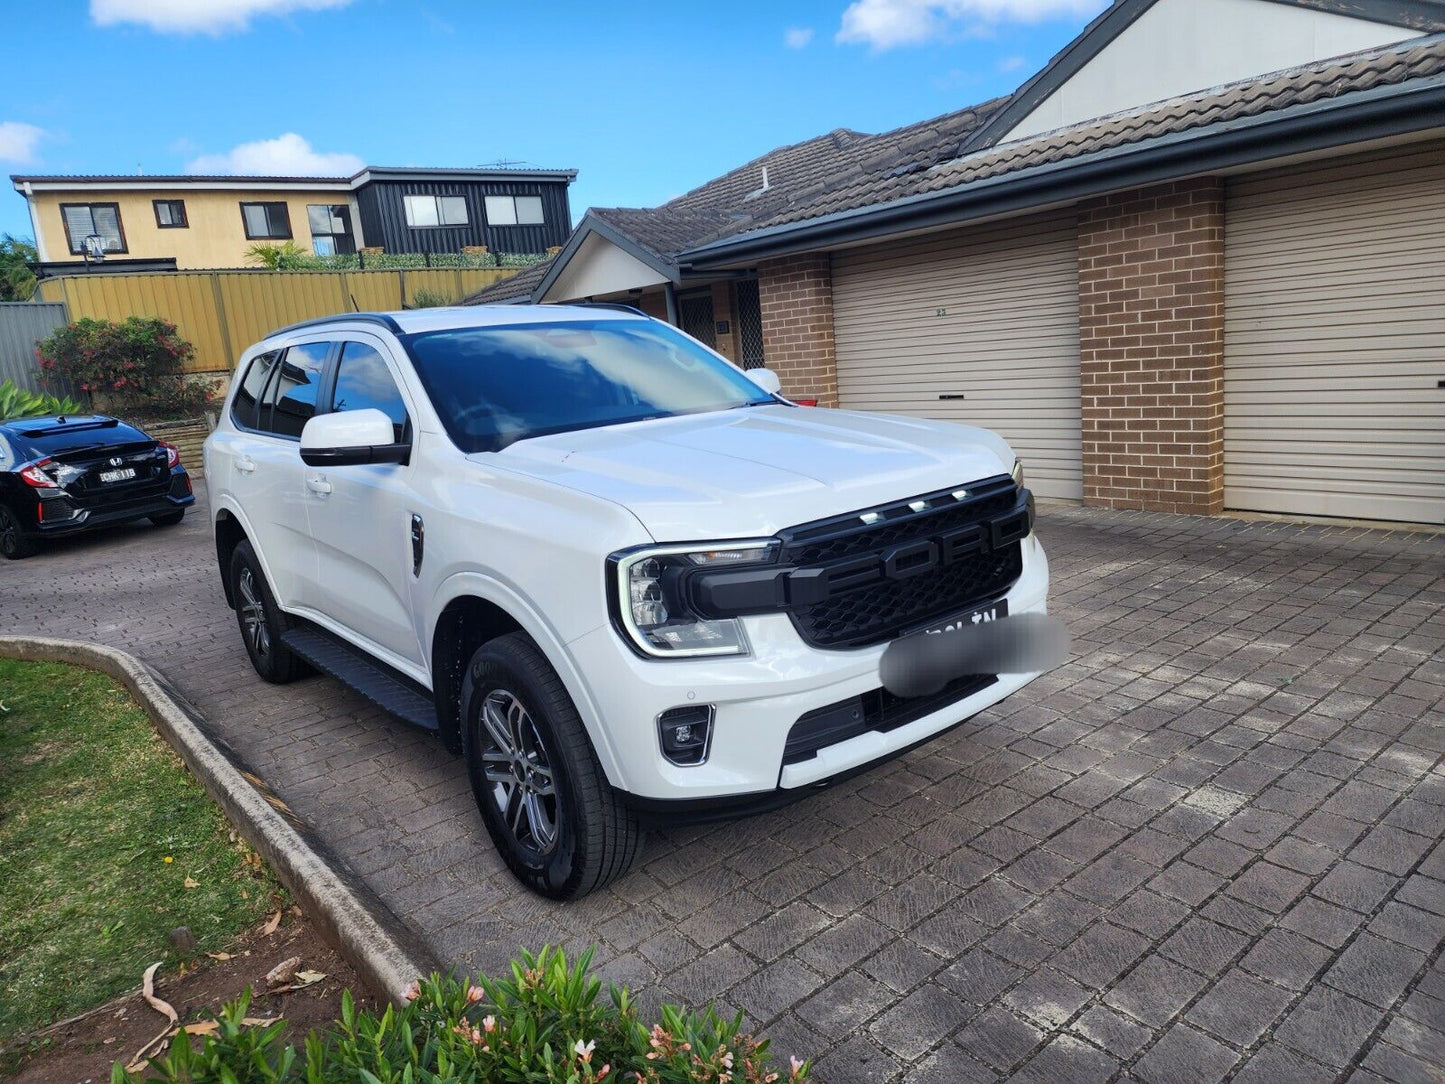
(596, 837)
(168, 519)
(254, 602)
(15, 544)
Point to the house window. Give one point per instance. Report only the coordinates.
(101, 220)
(330, 229)
(426, 211)
(170, 213)
(266, 221)
(514, 210)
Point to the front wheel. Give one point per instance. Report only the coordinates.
(14, 542)
(548, 807)
(261, 620)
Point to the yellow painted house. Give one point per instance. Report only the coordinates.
(194, 222)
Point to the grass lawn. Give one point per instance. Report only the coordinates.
(106, 844)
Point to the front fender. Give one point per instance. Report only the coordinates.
(487, 588)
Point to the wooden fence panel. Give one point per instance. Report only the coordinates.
(221, 313)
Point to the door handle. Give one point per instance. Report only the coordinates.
(245, 464)
(317, 483)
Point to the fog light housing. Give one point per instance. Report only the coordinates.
(685, 734)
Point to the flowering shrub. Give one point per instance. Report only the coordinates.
(546, 1024)
(136, 367)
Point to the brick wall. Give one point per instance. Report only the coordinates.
(1151, 327)
(796, 298)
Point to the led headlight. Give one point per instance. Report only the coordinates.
(649, 598)
(1018, 473)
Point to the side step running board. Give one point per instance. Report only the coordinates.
(376, 681)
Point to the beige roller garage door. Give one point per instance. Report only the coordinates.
(978, 326)
(1335, 339)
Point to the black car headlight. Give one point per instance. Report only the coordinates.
(649, 597)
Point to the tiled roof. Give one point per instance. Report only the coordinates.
(519, 285)
(848, 171)
(797, 174)
(1300, 86)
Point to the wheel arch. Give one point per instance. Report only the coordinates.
(471, 609)
(230, 533)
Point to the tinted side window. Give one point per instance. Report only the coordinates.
(292, 399)
(363, 380)
(253, 386)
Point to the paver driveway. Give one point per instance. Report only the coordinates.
(1209, 845)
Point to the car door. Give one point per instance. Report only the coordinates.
(270, 477)
(361, 515)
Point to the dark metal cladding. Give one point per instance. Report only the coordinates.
(383, 216)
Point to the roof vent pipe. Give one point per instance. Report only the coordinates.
(756, 192)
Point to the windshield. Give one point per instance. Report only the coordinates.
(496, 385)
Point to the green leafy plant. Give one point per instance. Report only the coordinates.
(422, 298)
(17, 281)
(520, 259)
(284, 257)
(545, 1024)
(136, 366)
(16, 402)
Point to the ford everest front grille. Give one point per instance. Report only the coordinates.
(879, 573)
(918, 560)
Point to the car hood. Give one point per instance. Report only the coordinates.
(751, 472)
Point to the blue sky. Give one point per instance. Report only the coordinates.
(645, 99)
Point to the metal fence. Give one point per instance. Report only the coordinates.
(221, 313)
(22, 325)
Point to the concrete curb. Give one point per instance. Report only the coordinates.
(347, 912)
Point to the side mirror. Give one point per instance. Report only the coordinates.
(765, 379)
(350, 438)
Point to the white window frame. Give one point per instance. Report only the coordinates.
(507, 211)
(441, 207)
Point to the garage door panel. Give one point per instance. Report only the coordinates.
(1007, 339)
(1335, 339)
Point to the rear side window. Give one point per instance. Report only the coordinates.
(291, 401)
(363, 380)
(253, 387)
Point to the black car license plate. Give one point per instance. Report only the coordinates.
(121, 475)
(978, 616)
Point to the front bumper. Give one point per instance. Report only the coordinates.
(58, 514)
(758, 699)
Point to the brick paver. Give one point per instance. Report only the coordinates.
(1210, 844)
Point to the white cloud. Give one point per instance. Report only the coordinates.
(285, 156)
(798, 37)
(1011, 64)
(198, 16)
(886, 24)
(19, 142)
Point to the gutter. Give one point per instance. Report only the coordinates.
(1368, 115)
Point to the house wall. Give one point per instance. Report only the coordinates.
(214, 237)
(1151, 348)
(796, 297)
(383, 216)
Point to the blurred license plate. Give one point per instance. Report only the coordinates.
(117, 475)
(980, 616)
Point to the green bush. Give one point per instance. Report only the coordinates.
(546, 1024)
(16, 402)
(422, 298)
(136, 367)
(520, 259)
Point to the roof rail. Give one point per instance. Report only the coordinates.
(616, 305)
(381, 318)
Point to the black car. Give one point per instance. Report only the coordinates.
(62, 474)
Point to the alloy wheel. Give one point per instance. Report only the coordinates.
(518, 772)
(253, 614)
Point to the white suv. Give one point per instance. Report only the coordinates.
(623, 577)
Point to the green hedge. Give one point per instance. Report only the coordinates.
(546, 1024)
